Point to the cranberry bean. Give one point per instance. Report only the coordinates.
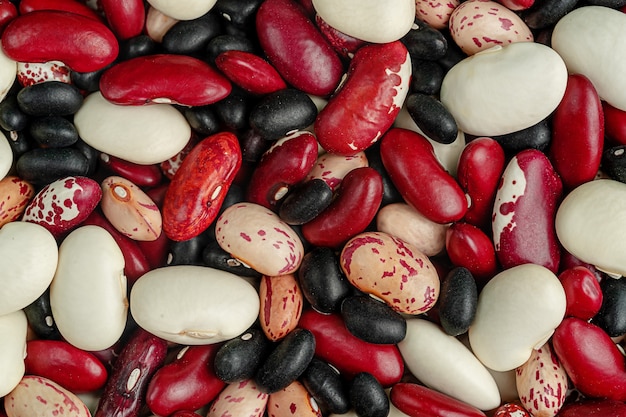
(469, 247)
(305, 202)
(29, 73)
(441, 198)
(80, 42)
(360, 192)
(250, 72)
(298, 51)
(124, 392)
(29, 258)
(281, 305)
(594, 408)
(530, 77)
(285, 164)
(125, 19)
(416, 400)
(437, 13)
(187, 383)
(12, 347)
(16, 195)
(349, 354)
(70, 367)
(239, 358)
(582, 292)
(376, 86)
(140, 175)
(188, 11)
(72, 6)
(371, 21)
(368, 397)
(293, 397)
(240, 399)
(326, 386)
(63, 204)
(457, 301)
(372, 320)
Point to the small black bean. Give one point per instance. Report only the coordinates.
(190, 37)
(326, 385)
(306, 202)
(44, 165)
(240, 13)
(612, 315)
(614, 162)
(137, 46)
(547, 12)
(426, 77)
(52, 98)
(224, 43)
(53, 131)
(425, 42)
(372, 321)
(202, 120)
(239, 358)
(432, 117)
(368, 397)
(537, 136)
(11, 116)
(458, 300)
(39, 315)
(234, 110)
(216, 257)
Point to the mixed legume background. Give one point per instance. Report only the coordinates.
(312, 208)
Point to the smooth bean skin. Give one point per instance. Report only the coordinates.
(28, 6)
(344, 45)
(327, 387)
(46, 165)
(469, 247)
(126, 19)
(367, 396)
(16, 195)
(432, 118)
(250, 72)
(426, 76)
(52, 98)
(240, 399)
(53, 131)
(333, 168)
(424, 42)
(614, 124)
(216, 257)
(305, 202)
(140, 175)
(295, 396)
(594, 408)
(582, 292)
(611, 317)
(139, 45)
(191, 37)
(281, 305)
(457, 301)
(12, 347)
(416, 400)
(614, 163)
(282, 112)
(239, 358)
(40, 320)
(11, 116)
(372, 321)
(537, 136)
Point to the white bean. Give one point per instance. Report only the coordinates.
(13, 329)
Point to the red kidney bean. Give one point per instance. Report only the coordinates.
(81, 43)
(577, 133)
(407, 155)
(361, 192)
(480, 168)
(368, 101)
(124, 392)
(164, 78)
(594, 408)
(417, 401)
(8, 12)
(327, 387)
(368, 397)
(524, 212)
(199, 187)
(432, 118)
(517, 4)
(250, 72)
(349, 354)
(614, 123)
(457, 302)
(298, 50)
(591, 359)
(238, 359)
(72, 6)
(52, 98)
(345, 45)
(187, 383)
(72, 368)
(372, 321)
(282, 112)
(305, 202)
(140, 175)
(469, 247)
(126, 19)
(582, 292)
(285, 164)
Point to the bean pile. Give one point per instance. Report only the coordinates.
(312, 208)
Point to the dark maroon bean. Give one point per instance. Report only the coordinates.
(53, 131)
(612, 315)
(368, 396)
(44, 165)
(140, 45)
(286, 362)
(372, 321)
(547, 12)
(426, 77)
(432, 117)
(52, 98)
(124, 392)
(190, 37)
(87, 81)
(238, 359)
(234, 110)
(40, 320)
(458, 299)
(326, 385)
(216, 257)
(425, 42)
(321, 280)
(306, 202)
(282, 112)
(223, 43)
(240, 13)
(11, 116)
(537, 136)
(390, 192)
(614, 162)
(202, 120)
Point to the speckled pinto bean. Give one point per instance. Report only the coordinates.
(16, 194)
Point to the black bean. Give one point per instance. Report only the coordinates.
(239, 358)
(612, 315)
(137, 46)
(425, 42)
(53, 131)
(234, 110)
(39, 315)
(547, 12)
(11, 116)
(458, 299)
(224, 43)
(368, 397)
(326, 385)
(432, 117)
(52, 98)
(216, 257)
(306, 202)
(191, 37)
(202, 120)
(426, 77)
(537, 136)
(372, 321)
(614, 162)
(44, 165)
(240, 13)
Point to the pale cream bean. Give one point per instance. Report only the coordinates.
(88, 292)
(157, 24)
(8, 74)
(193, 305)
(38, 396)
(13, 328)
(183, 10)
(6, 156)
(28, 261)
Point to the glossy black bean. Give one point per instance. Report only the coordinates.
(224, 43)
(52, 98)
(281, 112)
(191, 37)
(87, 81)
(306, 202)
(11, 116)
(390, 192)
(19, 141)
(614, 162)
(454, 54)
(425, 42)
(286, 362)
(240, 13)
(368, 397)
(202, 120)
(432, 117)
(537, 136)
(426, 77)
(234, 110)
(53, 131)
(253, 146)
(44, 165)
(239, 358)
(140, 45)
(547, 12)
(39, 316)
(321, 280)
(89, 152)
(216, 257)
(612, 315)
(327, 387)
(458, 299)
(188, 252)
(613, 4)
(372, 321)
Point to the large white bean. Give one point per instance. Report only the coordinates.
(193, 305)
(28, 261)
(443, 363)
(8, 74)
(13, 328)
(504, 89)
(591, 224)
(6, 156)
(598, 54)
(88, 292)
(140, 134)
(517, 312)
(183, 10)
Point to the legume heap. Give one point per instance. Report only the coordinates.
(312, 208)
